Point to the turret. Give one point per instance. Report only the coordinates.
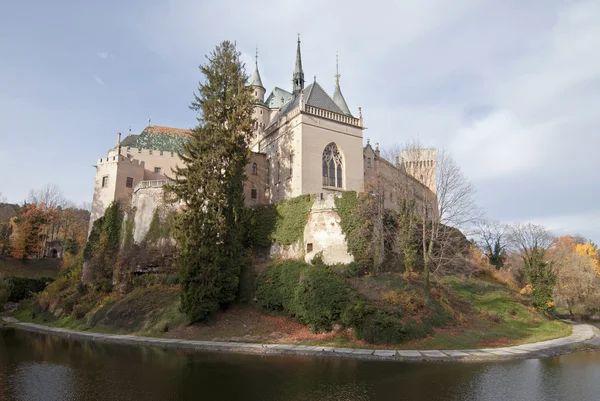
(298, 76)
(338, 98)
(256, 83)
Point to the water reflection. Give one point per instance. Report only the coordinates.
(39, 367)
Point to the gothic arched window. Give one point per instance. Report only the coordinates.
(332, 166)
(254, 168)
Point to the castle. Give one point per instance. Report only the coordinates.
(306, 142)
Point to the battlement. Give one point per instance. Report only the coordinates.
(120, 159)
(130, 150)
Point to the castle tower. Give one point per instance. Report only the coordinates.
(261, 112)
(256, 83)
(298, 76)
(338, 98)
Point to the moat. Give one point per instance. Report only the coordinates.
(41, 367)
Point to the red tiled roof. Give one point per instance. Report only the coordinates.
(157, 129)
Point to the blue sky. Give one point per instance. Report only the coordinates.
(510, 88)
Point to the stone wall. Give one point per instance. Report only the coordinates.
(146, 199)
(323, 232)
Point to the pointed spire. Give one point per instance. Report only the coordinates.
(298, 76)
(338, 98)
(255, 77)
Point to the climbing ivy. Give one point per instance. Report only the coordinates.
(356, 223)
(160, 229)
(283, 222)
(129, 227)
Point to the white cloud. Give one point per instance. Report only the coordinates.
(98, 80)
(104, 55)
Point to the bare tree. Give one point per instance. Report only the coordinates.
(50, 194)
(443, 204)
(492, 237)
(530, 240)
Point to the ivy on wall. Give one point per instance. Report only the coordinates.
(159, 229)
(283, 222)
(356, 223)
(129, 228)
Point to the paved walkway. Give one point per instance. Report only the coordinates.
(584, 336)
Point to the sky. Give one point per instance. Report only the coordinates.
(510, 88)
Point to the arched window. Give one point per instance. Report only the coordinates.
(332, 166)
(254, 169)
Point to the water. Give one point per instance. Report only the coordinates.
(41, 367)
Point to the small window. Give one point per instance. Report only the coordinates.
(172, 154)
(253, 193)
(254, 169)
(309, 247)
(129, 183)
(368, 162)
(391, 196)
(161, 152)
(104, 181)
(157, 170)
(139, 150)
(150, 151)
(128, 149)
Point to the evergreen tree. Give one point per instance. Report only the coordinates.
(210, 185)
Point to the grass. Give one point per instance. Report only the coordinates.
(144, 311)
(29, 268)
(486, 315)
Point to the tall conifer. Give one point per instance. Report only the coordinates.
(210, 185)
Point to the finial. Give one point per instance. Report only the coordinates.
(298, 38)
(256, 56)
(368, 141)
(149, 121)
(337, 69)
(130, 130)
(315, 79)
(377, 146)
(360, 112)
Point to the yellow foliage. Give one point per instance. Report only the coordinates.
(390, 296)
(550, 304)
(588, 249)
(527, 290)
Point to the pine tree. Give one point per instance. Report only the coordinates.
(210, 185)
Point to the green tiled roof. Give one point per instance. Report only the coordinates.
(158, 138)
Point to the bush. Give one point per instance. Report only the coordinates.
(5, 290)
(381, 328)
(16, 289)
(312, 294)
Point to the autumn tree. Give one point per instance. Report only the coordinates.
(532, 241)
(210, 186)
(31, 231)
(577, 285)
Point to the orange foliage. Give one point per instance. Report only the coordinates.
(31, 230)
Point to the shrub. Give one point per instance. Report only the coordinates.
(19, 288)
(381, 328)
(312, 294)
(5, 290)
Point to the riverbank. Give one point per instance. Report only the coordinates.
(584, 336)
